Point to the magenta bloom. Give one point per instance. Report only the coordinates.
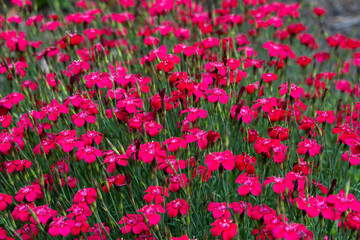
(152, 128)
(280, 184)
(249, 184)
(178, 181)
(217, 94)
(151, 150)
(225, 227)
(88, 153)
(219, 210)
(60, 226)
(176, 206)
(5, 120)
(43, 213)
(194, 114)
(269, 77)
(80, 118)
(53, 110)
(157, 193)
(174, 143)
(80, 211)
(133, 223)
(171, 165)
(291, 231)
(5, 200)
(30, 193)
(308, 146)
(112, 159)
(226, 159)
(87, 195)
(21, 211)
(151, 212)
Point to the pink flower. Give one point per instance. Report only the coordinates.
(157, 193)
(269, 77)
(217, 94)
(176, 206)
(151, 150)
(80, 118)
(249, 184)
(21, 211)
(309, 146)
(30, 193)
(194, 114)
(151, 213)
(215, 159)
(174, 143)
(178, 181)
(219, 210)
(152, 128)
(60, 226)
(88, 153)
(280, 184)
(171, 165)
(43, 214)
(133, 223)
(5, 200)
(224, 227)
(87, 195)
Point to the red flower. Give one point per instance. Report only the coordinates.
(269, 77)
(319, 11)
(54, 109)
(303, 61)
(244, 161)
(80, 226)
(215, 159)
(319, 205)
(5, 120)
(178, 181)
(264, 211)
(295, 91)
(18, 165)
(291, 231)
(266, 103)
(30, 193)
(354, 159)
(249, 184)
(307, 123)
(176, 206)
(91, 136)
(154, 192)
(87, 195)
(118, 180)
(5, 200)
(244, 113)
(171, 165)
(309, 146)
(151, 213)
(194, 114)
(278, 132)
(21, 211)
(43, 214)
(78, 67)
(167, 64)
(80, 211)
(224, 227)
(280, 184)
(327, 116)
(152, 128)
(174, 143)
(112, 158)
(133, 223)
(151, 150)
(217, 94)
(342, 202)
(240, 207)
(219, 210)
(198, 135)
(80, 118)
(60, 226)
(26, 232)
(88, 153)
